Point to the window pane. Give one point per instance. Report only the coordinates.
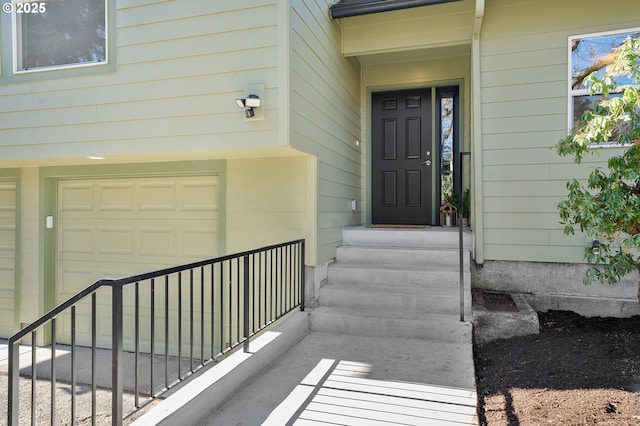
(446, 146)
(594, 54)
(582, 104)
(69, 32)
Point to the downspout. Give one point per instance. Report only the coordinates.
(476, 137)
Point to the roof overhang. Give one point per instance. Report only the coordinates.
(346, 8)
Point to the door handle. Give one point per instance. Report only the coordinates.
(426, 163)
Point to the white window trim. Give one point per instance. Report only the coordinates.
(16, 42)
(571, 93)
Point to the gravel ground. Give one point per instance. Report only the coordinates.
(63, 403)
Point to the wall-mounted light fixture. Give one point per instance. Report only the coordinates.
(595, 247)
(249, 103)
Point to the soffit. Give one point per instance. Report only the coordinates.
(415, 55)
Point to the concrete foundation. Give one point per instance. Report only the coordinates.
(559, 286)
(315, 277)
(489, 325)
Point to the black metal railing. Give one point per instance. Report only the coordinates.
(156, 328)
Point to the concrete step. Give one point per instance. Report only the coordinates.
(386, 275)
(382, 323)
(368, 297)
(434, 237)
(444, 259)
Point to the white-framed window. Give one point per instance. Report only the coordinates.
(587, 54)
(55, 34)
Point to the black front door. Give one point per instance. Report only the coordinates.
(401, 157)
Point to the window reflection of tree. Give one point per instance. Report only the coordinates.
(594, 54)
(446, 147)
(69, 32)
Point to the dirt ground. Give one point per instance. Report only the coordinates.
(578, 371)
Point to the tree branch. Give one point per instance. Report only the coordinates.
(600, 63)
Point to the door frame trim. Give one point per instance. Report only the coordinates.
(367, 129)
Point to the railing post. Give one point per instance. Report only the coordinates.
(460, 235)
(303, 275)
(461, 264)
(14, 372)
(116, 354)
(245, 316)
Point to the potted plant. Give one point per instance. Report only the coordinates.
(466, 207)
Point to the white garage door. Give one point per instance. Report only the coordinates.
(7, 257)
(120, 227)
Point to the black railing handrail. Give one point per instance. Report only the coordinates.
(285, 274)
(59, 309)
(460, 237)
(132, 279)
(199, 264)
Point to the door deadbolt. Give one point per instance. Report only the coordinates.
(428, 153)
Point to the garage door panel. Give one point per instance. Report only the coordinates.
(144, 294)
(75, 197)
(193, 241)
(192, 199)
(150, 195)
(156, 196)
(7, 240)
(6, 299)
(83, 323)
(155, 242)
(197, 239)
(7, 196)
(115, 266)
(120, 227)
(7, 274)
(77, 239)
(116, 240)
(74, 277)
(8, 201)
(104, 217)
(115, 197)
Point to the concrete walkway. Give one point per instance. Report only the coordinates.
(355, 380)
(351, 380)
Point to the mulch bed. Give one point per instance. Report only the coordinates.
(578, 371)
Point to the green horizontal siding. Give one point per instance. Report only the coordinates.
(520, 204)
(530, 108)
(180, 67)
(531, 90)
(503, 141)
(266, 201)
(325, 118)
(524, 107)
(436, 25)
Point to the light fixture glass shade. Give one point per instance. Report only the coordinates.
(252, 101)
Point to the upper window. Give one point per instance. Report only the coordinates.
(592, 54)
(59, 33)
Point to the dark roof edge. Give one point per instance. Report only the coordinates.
(365, 7)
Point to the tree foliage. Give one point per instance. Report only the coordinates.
(608, 208)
